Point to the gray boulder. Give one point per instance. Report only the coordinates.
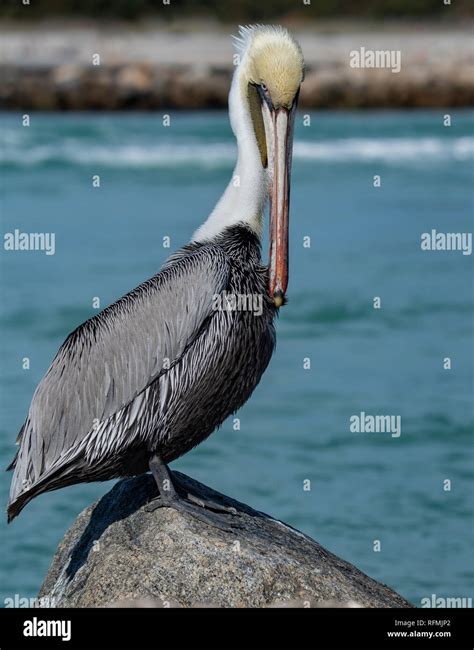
(117, 553)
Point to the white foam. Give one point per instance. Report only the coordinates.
(388, 150)
(126, 156)
(395, 151)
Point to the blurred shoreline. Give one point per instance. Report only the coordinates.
(48, 65)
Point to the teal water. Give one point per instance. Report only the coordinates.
(365, 242)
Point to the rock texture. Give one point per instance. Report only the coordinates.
(117, 553)
(51, 68)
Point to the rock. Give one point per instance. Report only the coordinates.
(66, 76)
(133, 84)
(158, 67)
(117, 553)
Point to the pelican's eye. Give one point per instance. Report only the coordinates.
(264, 93)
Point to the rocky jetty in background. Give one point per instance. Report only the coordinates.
(119, 554)
(52, 67)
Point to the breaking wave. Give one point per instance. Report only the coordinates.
(391, 151)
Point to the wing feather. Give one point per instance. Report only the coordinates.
(111, 358)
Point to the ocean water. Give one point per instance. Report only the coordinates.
(365, 242)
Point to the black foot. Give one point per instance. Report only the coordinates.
(202, 513)
(203, 503)
(208, 512)
(212, 505)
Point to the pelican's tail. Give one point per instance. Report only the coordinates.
(15, 507)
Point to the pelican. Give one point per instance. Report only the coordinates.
(155, 373)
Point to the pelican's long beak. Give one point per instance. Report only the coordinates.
(282, 123)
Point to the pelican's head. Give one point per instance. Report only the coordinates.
(273, 64)
(270, 75)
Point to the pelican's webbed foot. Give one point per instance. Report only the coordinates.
(209, 512)
(212, 505)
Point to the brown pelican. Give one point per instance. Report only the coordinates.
(155, 373)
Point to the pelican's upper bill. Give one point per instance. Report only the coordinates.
(262, 104)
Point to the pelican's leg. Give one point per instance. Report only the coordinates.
(206, 511)
(167, 493)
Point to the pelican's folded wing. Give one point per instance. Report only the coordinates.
(111, 358)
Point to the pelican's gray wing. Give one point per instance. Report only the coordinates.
(111, 358)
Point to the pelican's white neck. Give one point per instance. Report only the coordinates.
(244, 198)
